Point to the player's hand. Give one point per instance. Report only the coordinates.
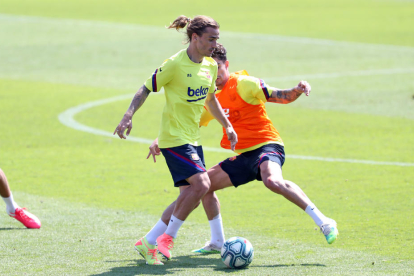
(126, 123)
(303, 87)
(232, 136)
(154, 150)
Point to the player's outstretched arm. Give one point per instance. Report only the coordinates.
(289, 95)
(214, 107)
(126, 122)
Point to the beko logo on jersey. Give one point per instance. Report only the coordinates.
(197, 92)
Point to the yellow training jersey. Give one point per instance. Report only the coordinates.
(186, 85)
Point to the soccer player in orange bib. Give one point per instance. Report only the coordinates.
(260, 147)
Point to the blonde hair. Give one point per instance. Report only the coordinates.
(196, 25)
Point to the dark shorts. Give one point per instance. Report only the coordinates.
(183, 162)
(245, 167)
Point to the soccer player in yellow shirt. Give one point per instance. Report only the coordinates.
(188, 78)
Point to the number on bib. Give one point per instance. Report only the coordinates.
(226, 112)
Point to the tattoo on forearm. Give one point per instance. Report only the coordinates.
(279, 94)
(284, 96)
(139, 99)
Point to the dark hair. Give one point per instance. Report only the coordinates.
(220, 52)
(196, 25)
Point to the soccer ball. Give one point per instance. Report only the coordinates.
(237, 252)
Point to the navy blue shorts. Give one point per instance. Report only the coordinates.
(184, 161)
(245, 167)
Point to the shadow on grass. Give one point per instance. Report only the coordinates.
(228, 270)
(181, 264)
(12, 228)
(287, 265)
(175, 266)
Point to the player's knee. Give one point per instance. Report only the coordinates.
(202, 188)
(275, 185)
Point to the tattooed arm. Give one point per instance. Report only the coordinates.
(126, 122)
(285, 96)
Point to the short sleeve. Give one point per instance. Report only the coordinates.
(162, 76)
(206, 117)
(257, 88)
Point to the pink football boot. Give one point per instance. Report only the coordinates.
(28, 219)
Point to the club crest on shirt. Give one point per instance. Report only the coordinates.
(195, 156)
(232, 158)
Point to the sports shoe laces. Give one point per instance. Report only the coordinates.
(153, 253)
(22, 213)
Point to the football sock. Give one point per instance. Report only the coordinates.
(156, 231)
(10, 204)
(216, 228)
(173, 226)
(315, 214)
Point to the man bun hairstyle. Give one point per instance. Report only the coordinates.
(196, 25)
(220, 52)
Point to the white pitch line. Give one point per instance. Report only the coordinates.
(67, 118)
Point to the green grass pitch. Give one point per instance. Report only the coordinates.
(68, 71)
